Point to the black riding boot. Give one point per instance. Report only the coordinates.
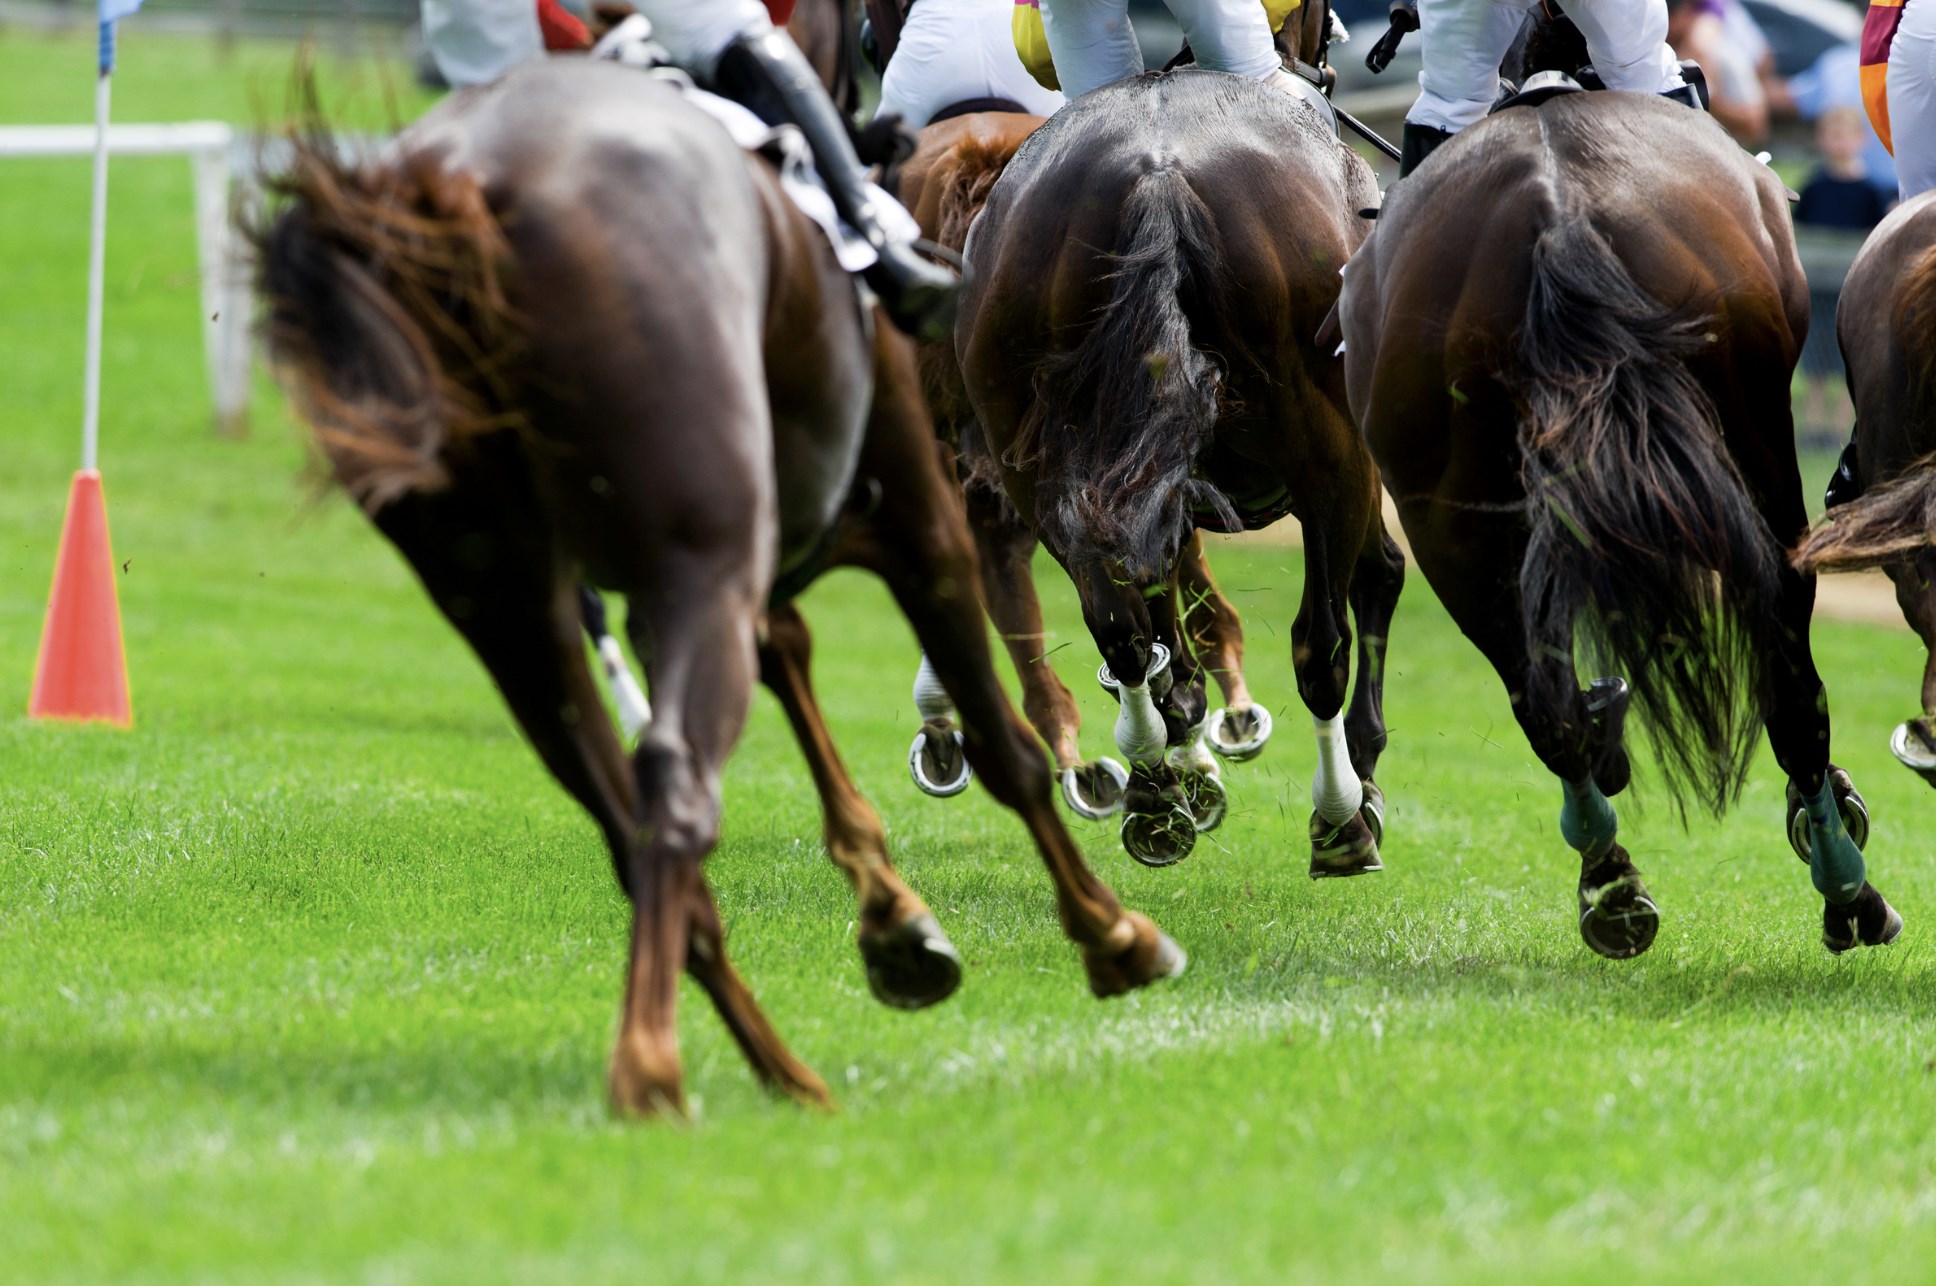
(1416, 144)
(768, 75)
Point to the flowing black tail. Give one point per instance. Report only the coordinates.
(1645, 544)
(387, 313)
(1120, 419)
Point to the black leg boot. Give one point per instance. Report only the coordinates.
(769, 76)
(1416, 144)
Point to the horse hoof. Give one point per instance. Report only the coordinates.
(1151, 956)
(1868, 921)
(1159, 839)
(1914, 746)
(1349, 848)
(1208, 800)
(1159, 661)
(1095, 790)
(937, 762)
(912, 964)
(1373, 811)
(1854, 810)
(1238, 735)
(1618, 919)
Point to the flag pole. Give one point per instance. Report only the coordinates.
(82, 672)
(97, 256)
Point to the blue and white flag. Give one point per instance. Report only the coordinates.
(112, 11)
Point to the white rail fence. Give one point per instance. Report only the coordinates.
(227, 307)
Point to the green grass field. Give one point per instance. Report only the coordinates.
(312, 975)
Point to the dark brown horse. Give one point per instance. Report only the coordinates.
(565, 329)
(1137, 339)
(1886, 321)
(1570, 342)
(944, 184)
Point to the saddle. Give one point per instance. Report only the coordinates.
(1542, 85)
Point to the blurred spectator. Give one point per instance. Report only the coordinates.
(1838, 196)
(1835, 80)
(1695, 28)
(1839, 193)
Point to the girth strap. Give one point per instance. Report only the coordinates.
(970, 106)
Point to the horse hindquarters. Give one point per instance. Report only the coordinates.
(409, 363)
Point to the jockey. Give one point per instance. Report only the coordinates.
(1899, 87)
(1466, 40)
(1093, 44)
(733, 47)
(956, 51)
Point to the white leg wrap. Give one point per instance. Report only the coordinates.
(634, 714)
(1140, 734)
(1336, 792)
(930, 698)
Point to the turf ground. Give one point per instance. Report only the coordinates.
(312, 975)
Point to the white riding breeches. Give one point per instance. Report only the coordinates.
(696, 32)
(1465, 40)
(1093, 44)
(1912, 97)
(476, 41)
(953, 50)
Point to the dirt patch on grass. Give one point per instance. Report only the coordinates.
(1864, 597)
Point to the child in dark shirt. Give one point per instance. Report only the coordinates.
(1839, 196)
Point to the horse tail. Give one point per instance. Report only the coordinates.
(976, 164)
(388, 318)
(1884, 525)
(1119, 420)
(1645, 545)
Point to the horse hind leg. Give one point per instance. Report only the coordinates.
(1006, 545)
(1239, 730)
(918, 541)
(1347, 811)
(910, 962)
(700, 626)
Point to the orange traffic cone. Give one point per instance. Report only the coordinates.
(83, 673)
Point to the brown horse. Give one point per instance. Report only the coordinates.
(1137, 340)
(944, 184)
(1570, 342)
(1886, 321)
(566, 329)
(826, 33)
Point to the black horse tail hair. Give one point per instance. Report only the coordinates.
(1120, 419)
(1645, 544)
(387, 315)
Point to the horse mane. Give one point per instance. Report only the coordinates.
(389, 316)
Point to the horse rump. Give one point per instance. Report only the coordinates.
(1646, 549)
(1119, 420)
(388, 315)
